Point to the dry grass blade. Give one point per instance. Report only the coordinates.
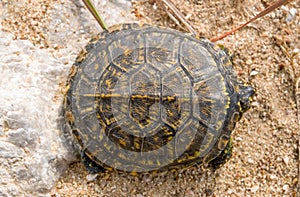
(95, 13)
(179, 15)
(261, 14)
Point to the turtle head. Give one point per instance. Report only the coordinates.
(246, 93)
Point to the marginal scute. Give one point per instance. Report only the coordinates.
(142, 98)
(223, 142)
(234, 118)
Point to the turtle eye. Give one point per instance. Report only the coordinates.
(245, 97)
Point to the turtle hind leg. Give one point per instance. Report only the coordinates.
(91, 166)
(223, 157)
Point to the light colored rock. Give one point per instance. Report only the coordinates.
(34, 150)
(32, 154)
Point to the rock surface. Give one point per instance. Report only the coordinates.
(33, 149)
(32, 155)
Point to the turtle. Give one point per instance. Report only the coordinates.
(146, 99)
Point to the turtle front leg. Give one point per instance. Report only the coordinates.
(90, 165)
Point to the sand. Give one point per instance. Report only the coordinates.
(266, 152)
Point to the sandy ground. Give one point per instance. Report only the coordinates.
(265, 159)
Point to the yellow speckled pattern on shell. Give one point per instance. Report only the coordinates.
(142, 98)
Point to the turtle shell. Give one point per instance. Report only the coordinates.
(144, 99)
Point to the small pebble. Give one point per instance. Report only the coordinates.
(254, 189)
(273, 177)
(285, 187)
(91, 177)
(286, 160)
(291, 15)
(250, 160)
(253, 73)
